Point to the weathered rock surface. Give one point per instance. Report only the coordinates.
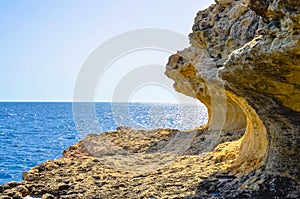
(245, 57)
(244, 65)
(126, 163)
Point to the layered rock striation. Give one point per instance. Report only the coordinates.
(244, 65)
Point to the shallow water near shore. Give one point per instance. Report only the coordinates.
(31, 133)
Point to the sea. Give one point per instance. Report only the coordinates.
(33, 132)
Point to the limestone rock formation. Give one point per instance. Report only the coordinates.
(244, 65)
(245, 58)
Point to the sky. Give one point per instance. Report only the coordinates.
(44, 45)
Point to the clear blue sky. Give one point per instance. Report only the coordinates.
(43, 44)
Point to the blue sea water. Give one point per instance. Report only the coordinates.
(31, 133)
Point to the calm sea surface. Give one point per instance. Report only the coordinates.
(31, 133)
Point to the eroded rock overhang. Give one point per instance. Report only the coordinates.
(244, 65)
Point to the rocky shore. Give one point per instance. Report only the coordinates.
(98, 167)
(244, 65)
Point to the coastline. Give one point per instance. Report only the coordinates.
(151, 166)
(243, 64)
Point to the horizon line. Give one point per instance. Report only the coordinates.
(68, 101)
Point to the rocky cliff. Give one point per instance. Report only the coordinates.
(244, 65)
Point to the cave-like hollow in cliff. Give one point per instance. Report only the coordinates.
(228, 114)
(243, 64)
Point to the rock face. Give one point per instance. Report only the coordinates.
(244, 64)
